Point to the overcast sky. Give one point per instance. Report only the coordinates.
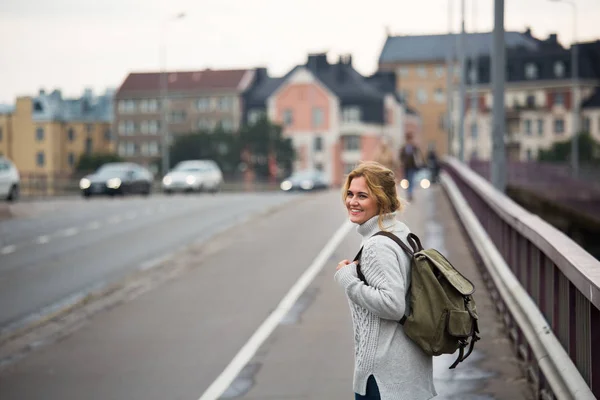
(73, 44)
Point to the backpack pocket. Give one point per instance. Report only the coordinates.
(460, 324)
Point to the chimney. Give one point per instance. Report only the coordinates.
(317, 62)
(528, 32)
(260, 75)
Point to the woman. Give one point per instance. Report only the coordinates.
(387, 364)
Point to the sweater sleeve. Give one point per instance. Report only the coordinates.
(386, 292)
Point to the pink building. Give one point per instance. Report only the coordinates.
(335, 116)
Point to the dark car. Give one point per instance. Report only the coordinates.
(305, 181)
(117, 178)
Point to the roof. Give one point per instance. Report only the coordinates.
(6, 109)
(185, 81)
(593, 101)
(423, 48)
(88, 108)
(341, 78)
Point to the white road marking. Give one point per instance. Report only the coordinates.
(42, 239)
(218, 387)
(93, 225)
(114, 220)
(70, 232)
(8, 249)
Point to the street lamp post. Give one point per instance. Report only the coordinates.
(462, 97)
(164, 95)
(574, 92)
(449, 78)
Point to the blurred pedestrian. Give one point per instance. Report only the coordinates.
(387, 364)
(433, 163)
(411, 159)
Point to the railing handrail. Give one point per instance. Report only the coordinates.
(580, 267)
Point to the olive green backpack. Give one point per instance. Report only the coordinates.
(441, 315)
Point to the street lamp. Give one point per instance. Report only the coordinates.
(574, 91)
(164, 93)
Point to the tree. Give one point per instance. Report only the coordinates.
(93, 161)
(228, 149)
(589, 150)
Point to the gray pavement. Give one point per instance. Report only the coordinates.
(173, 340)
(69, 247)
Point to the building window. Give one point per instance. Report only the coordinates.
(586, 124)
(348, 168)
(351, 114)
(71, 135)
(39, 134)
(89, 128)
(527, 127)
(203, 104)
(126, 106)
(318, 143)
(153, 148)
(404, 94)
(351, 142)
(439, 96)
(528, 154)
(559, 69)
(227, 125)
(71, 159)
(178, 116)
(422, 96)
(474, 130)
(540, 127)
(107, 135)
(225, 103)
(288, 117)
(559, 125)
(317, 117)
(531, 71)
(255, 115)
(1, 133)
(88, 145)
(440, 71)
(40, 159)
(402, 71)
(530, 101)
(559, 99)
(472, 75)
(421, 71)
(204, 124)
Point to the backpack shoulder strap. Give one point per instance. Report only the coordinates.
(395, 238)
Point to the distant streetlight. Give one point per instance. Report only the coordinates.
(574, 91)
(164, 93)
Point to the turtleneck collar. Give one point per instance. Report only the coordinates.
(370, 227)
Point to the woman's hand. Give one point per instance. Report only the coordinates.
(342, 264)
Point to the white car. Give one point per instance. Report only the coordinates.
(193, 176)
(10, 180)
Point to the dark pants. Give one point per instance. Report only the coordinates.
(372, 391)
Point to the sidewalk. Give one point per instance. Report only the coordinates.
(310, 355)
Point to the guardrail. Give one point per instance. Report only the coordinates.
(545, 285)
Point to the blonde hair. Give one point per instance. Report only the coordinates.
(382, 185)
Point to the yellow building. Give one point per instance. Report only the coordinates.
(420, 66)
(46, 134)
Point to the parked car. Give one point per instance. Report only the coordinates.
(117, 178)
(193, 176)
(306, 180)
(10, 180)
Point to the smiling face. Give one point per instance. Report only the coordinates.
(360, 203)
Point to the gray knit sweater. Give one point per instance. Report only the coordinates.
(402, 370)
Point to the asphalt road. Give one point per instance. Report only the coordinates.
(63, 248)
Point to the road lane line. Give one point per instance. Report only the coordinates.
(93, 225)
(114, 220)
(8, 249)
(42, 239)
(70, 232)
(220, 385)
